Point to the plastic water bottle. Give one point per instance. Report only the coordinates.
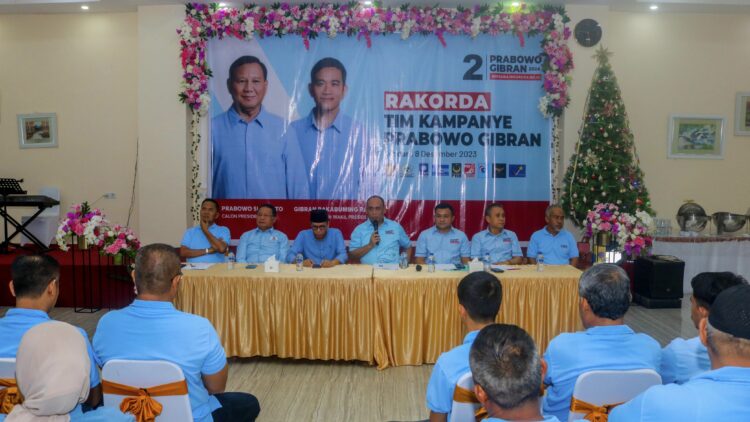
(403, 263)
(487, 262)
(299, 259)
(540, 262)
(230, 261)
(431, 263)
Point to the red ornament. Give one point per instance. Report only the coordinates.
(638, 201)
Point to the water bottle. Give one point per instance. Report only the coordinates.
(403, 263)
(487, 262)
(540, 262)
(230, 261)
(431, 263)
(299, 259)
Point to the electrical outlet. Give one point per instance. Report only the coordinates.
(110, 195)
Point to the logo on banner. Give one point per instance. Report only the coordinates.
(517, 170)
(500, 170)
(482, 171)
(456, 170)
(470, 170)
(406, 171)
(424, 169)
(519, 67)
(440, 170)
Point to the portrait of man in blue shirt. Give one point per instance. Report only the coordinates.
(262, 242)
(320, 245)
(332, 145)
(501, 244)
(207, 242)
(378, 240)
(558, 245)
(448, 244)
(254, 154)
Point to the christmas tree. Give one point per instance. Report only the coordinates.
(605, 166)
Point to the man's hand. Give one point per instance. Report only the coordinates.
(204, 226)
(328, 264)
(307, 263)
(374, 239)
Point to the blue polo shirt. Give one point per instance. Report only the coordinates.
(615, 347)
(546, 419)
(682, 359)
(719, 395)
(18, 321)
(256, 246)
(392, 237)
(259, 159)
(449, 367)
(501, 247)
(557, 249)
(332, 156)
(448, 247)
(195, 239)
(330, 247)
(154, 330)
(100, 414)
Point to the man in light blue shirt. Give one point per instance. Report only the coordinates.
(682, 359)
(320, 245)
(501, 244)
(152, 329)
(448, 244)
(259, 244)
(720, 394)
(558, 246)
(207, 242)
(254, 154)
(508, 373)
(479, 297)
(378, 240)
(332, 146)
(607, 343)
(35, 285)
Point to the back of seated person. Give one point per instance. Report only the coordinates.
(152, 329)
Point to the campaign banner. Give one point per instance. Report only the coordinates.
(410, 120)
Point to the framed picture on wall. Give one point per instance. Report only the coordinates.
(37, 130)
(742, 114)
(692, 136)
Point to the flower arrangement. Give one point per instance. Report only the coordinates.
(633, 232)
(81, 221)
(118, 240)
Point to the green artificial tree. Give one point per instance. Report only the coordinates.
(605, 166)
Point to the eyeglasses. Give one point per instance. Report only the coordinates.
(320, 227)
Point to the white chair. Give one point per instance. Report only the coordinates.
(44, 227)
(464, 410)
(146, 374)
(603, 388)
(7, 367)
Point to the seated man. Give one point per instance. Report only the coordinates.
(320, 245)
(449, 245)
(558, 246)
(378, 240)
(35, 285)
(257, 245)
(152, 329)
(682, 359)
(207, 242)
(479, 297)
(720, 394)
(607, 343)
(508, 373)
(501, 244)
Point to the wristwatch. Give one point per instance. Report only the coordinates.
(207, 251)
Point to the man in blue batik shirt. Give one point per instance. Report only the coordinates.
(320, 245)
(207, 242)
(558, 245)
(254, 155)
(257, 245)
(332, 145)
(720, 394)
(448, 244)
(500, 243)
(378, 240)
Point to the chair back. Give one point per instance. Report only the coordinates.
(606, 388)
(7, 367)
(9, 395)
(464, 408)
(147, 374)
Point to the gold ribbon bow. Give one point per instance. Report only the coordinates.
(462, 395)
(9, 396)
(592, 412)
(139, 401)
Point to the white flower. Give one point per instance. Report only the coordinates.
(475, 26)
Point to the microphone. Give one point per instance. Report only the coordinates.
(375, 228)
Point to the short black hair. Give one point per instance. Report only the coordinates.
(708, 285)
(270, 207)
(213, 201)
(445, 206)
(489, 208)
(378, 197)
(328, 62)
(481, 294)
(155, 267)
(243, 60)
(31, 274)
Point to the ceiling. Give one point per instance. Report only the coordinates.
(114, 6)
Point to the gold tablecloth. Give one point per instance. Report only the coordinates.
(353, 312)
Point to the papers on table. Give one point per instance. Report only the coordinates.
(506, 267)
(386, 266)
(445, 267)
(198, 265)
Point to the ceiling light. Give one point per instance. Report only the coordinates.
(654, 7)
(84, 7)
(515, 4)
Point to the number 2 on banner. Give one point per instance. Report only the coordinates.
(471, 74)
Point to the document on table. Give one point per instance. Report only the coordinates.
(391, 267)
(198, 265)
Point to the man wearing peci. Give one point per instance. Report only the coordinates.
(207, 242)
(332, 145)
(319, 245)
(254, 154)
(378, 240)
(264, 241)
(501, 244)
(448, 244)
(558, 245)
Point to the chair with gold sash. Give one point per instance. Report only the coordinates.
(596, 393)
(9, 394)
(150, 390)
(465, 404)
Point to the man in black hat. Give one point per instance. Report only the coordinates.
(320, 245)
(720, 394)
